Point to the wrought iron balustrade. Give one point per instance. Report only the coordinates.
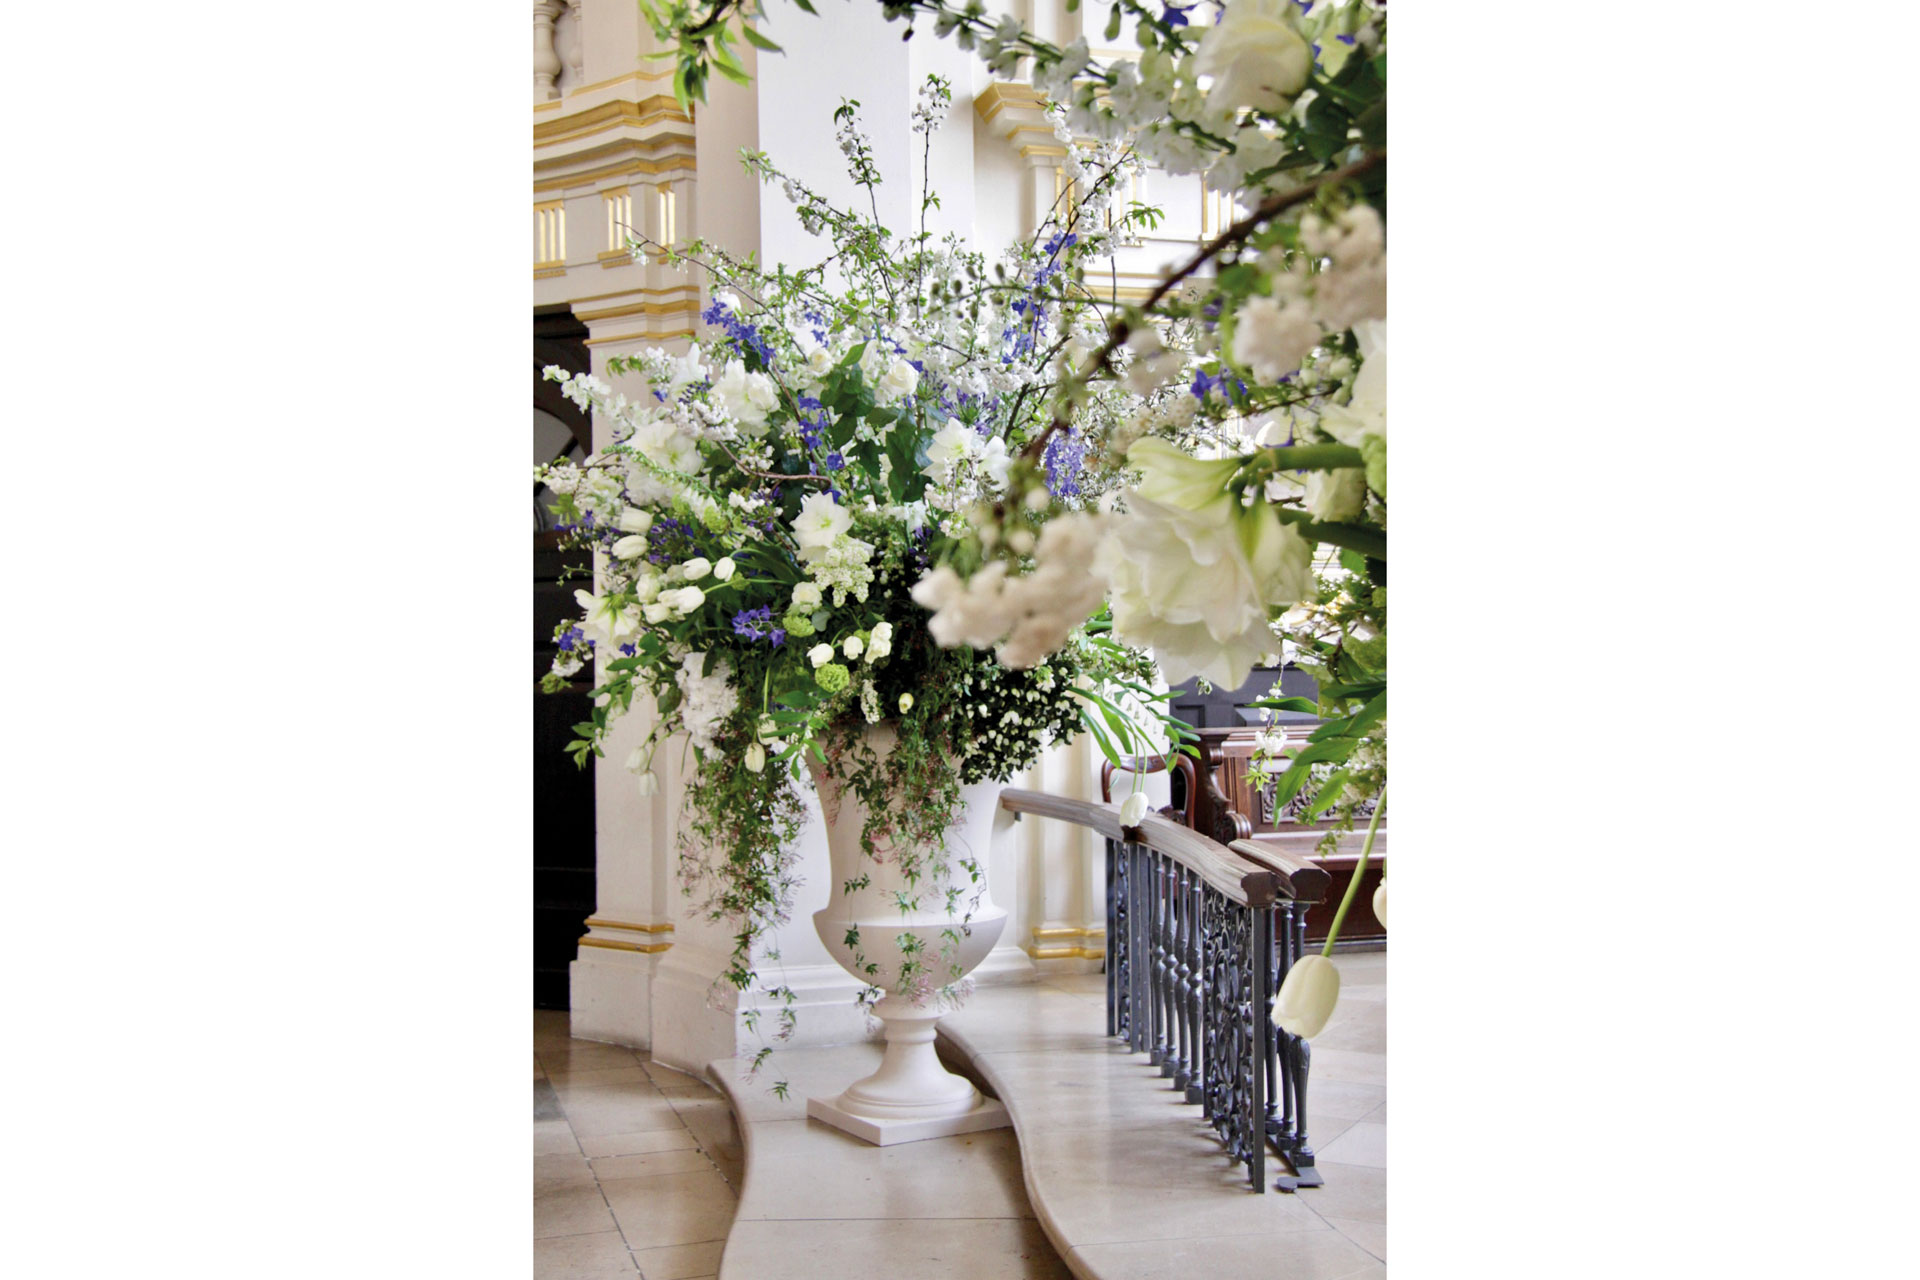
(1199, 938)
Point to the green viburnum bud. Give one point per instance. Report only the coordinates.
(799, 624)
(1374, 450)
(833, 677)
(715, 519)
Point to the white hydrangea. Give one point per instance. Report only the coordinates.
(705, 700)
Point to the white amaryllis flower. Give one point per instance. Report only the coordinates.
(1194, 574)
(950, 446)
(820, 655)
(723, 569)
(1307, 997)
(749, 397)
(1365, 413)
(820, 523)
(604, 620)
(1255, 56)
(1380, 904)
(1133, 809)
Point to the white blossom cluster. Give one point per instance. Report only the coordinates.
(1023, 617)
(706, 700)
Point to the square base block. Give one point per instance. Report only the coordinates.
(990, 1114)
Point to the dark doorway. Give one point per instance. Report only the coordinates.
(563, 816)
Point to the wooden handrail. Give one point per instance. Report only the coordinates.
(1213, 862)
(1299, 878)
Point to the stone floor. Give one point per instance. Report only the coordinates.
(638, 1168)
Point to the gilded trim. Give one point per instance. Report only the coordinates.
(668, 292)
(622, 924)
(547, 270)
(1002, 94)
(640, 337)
(640, 76)
(614, 944)
(669, 164)
(1067, 933)
(607, 115)
(1066, 953)
(615, 258)
(682, 307)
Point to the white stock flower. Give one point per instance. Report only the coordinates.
(1255, 57)
(1133, 808)
(820, 655)
(1306, 999)
(723, 569)
(1270, 339)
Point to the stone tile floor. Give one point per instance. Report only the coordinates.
(637, 1168)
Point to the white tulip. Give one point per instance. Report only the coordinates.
(683, 600)
(631, 547)
(906, 703)
(1380, 904)
(756, 757)
(1307, 997)
(852, 647)
(697, 568)
(1133, 809)
(649, 785)
(880, 644)
(657, 612)
(723, 569)
(634, 520)
(637, 759)
(820, 655)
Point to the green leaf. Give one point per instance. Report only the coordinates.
(759, 41)
(1352, 561)
(1306, 705)
(1329, 792)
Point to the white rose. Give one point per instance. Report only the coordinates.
(761, 394)
(1255, 57)
(735, 393)
(819, 363)
(1307, 997)
(852, 647)
(900, 380)
(723, 569)
(820, 655)
(1337, 495)
(697, 568)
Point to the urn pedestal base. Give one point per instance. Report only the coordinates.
(912, 1096)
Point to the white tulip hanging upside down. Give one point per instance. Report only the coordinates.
(1133, 809)
(1311, 988)
(1380, 904)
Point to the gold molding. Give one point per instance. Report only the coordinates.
(1038, 934)
(1032, 149)
(639, 76)
(547, 270)
(607, 115)
(681, 307)
(622, 924)
(679, 163)
(614, 944)
(667, 292)
(1002, 94)
(615, 258)
(1067, 953)
(640, 337)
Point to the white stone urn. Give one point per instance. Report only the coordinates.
(912, 1096)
